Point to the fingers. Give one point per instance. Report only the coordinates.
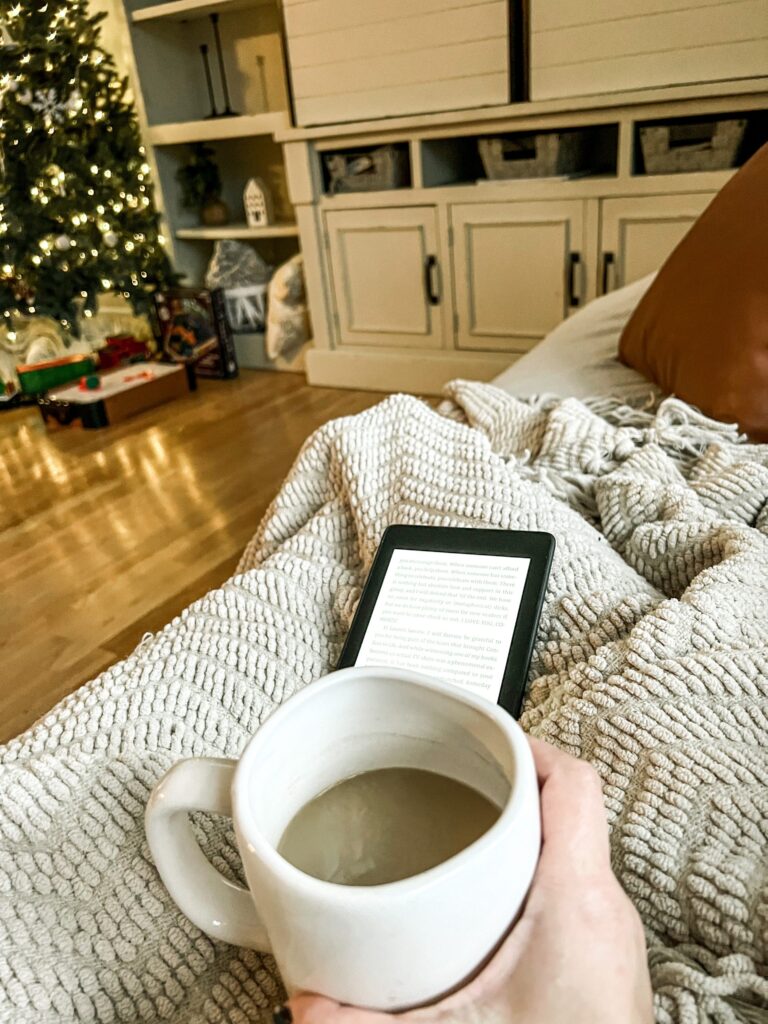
(311, 1009)
(573, 821)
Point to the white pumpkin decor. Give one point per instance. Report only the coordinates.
(258, 203)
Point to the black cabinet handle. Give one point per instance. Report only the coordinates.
(574, 275)
(431, 270)
(609, 261)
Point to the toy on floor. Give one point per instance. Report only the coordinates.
(124, 348)
(102, 400)
(38, 377)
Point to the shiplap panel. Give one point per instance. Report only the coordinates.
(316, 16)
(666, 32)
(396, 58)
(479, 58)
(440, 94)
(424, 32)
(553, 14)
(704, 64)
(638, 46)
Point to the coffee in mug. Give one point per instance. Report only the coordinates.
(384, 825)
(424, 753)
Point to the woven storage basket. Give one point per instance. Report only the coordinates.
(385, 167)
(539, 155)
(707, 146)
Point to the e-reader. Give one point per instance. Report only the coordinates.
(455, 603)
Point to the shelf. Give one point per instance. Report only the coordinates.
(579, 152)
(239, 231)
(186, 10)
(718, 96)
(533, 189)
(211, 129)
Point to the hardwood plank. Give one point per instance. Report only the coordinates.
(106, 535)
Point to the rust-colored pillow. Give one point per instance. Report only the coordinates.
(701, 330)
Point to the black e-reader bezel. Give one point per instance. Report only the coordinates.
(537, 546)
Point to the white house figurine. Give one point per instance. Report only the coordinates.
(258, 204)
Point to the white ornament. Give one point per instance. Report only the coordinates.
(25, 97)
(110, 239)
(257, 203)
(62, 243)
(47, 103)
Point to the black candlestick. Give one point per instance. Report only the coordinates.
(228, 111)
(206, 64)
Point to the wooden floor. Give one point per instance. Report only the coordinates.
(107, 534)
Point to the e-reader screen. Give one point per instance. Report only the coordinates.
(458, 604)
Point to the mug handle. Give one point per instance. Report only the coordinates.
(217, 906)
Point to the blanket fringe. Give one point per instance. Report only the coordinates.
(668, 422)
(681, 430)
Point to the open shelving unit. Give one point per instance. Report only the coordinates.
(184, 10)
(209, 130)
(240, 231)
(445, 155)
(167, 39)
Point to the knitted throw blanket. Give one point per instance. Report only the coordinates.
(651, 663)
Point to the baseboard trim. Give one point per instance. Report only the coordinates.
(422, 374)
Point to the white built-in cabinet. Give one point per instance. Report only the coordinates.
(455, 274)
(500, 278)
(387, 284)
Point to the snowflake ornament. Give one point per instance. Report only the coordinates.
(46, 102)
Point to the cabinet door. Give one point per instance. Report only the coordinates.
(518, 269)
(637, 234)
(386, 277)
(352, 60)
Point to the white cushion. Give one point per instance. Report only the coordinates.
(580, 356)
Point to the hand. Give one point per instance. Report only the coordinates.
(576, 954)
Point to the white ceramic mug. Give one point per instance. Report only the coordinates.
(388, 946)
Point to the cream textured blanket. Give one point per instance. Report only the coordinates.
(652, 663)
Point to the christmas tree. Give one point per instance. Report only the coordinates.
(77, 216)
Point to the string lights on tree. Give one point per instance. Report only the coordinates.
(77, 215)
